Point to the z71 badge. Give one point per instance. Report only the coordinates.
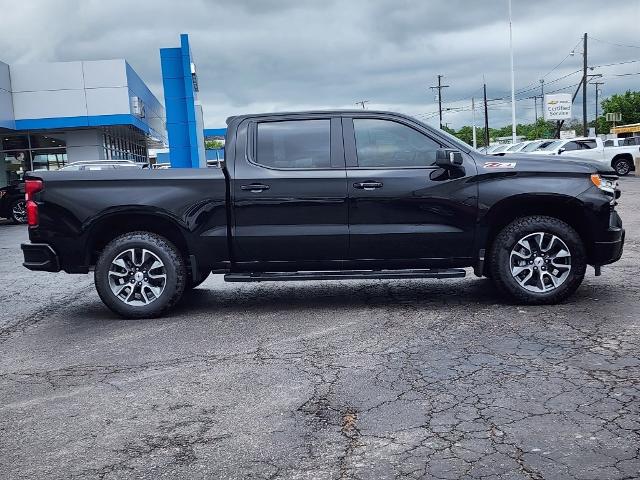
(499, 165)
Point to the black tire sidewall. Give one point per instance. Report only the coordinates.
(501, 265)
(165, 251)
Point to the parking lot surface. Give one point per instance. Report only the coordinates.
(358, 379)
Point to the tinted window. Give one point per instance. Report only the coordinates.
(294, 144)
(587, 144)
(383, 143)
(608, 143)
(571, 146)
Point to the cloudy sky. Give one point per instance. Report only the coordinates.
(275, 55)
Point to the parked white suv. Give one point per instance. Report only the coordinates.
(621, 159)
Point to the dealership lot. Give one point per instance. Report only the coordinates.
(359, 379)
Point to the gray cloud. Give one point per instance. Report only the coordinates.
(292, 54)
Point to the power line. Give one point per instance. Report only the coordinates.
(616, 44)
(548, 83)
(554, 68)
(612, 64)
(625, 74)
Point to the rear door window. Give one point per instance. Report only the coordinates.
(569, 146)
(294, 144)
(587, 144)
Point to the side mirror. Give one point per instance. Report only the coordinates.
(448, 157)
(560, 150)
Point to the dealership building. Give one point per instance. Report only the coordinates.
(55, 113)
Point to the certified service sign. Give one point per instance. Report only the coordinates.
(557, 106)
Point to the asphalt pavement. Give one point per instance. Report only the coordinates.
(322, 380)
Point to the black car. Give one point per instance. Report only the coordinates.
(12, 203)
(327, 195)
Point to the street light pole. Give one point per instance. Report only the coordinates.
(513, 88)
(486, 116)
(584, 87)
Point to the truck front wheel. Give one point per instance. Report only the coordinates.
(538, 260)
(140, 275)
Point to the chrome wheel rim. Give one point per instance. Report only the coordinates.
(19, 212)
(137, 277)
(540, 262)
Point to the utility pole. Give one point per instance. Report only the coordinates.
(597, 84)
(542, 106)
(473, 115)
(486, 116)
(439, 87)
(584, 87)
(535, 105)
(362, 102)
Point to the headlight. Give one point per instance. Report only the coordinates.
(604, 184)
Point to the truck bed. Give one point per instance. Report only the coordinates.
(76, 206)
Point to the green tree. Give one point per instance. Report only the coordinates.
(213, 144)
(628, 104)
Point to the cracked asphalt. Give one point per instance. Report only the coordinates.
(359, 379)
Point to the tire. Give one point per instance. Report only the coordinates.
(125, 259)
(550, 265)
(622, 167)
(18, 211)
(193, 284)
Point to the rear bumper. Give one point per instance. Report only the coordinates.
(610, 250)
(40, 257)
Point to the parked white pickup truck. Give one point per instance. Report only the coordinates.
(620, 158)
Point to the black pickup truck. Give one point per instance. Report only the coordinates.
(327, 195)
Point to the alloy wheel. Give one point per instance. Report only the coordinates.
(622, 168)
(137, 276)
(19, 212)
(540, 262)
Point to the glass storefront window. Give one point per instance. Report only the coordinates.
(14, 142)
(51, 159)
(50, 140)
(15, 165)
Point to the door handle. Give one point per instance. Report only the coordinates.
(255, 187)
(367, 185)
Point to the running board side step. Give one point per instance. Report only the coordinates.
(344, 275)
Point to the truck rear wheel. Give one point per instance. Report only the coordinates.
(622, 166)
(140, 275)
(538, 260)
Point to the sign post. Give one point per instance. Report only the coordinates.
(557, 106)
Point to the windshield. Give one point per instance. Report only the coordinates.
(501, 148)
(515, 147)
(553, 145)
(531, 147)
(455, 140)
